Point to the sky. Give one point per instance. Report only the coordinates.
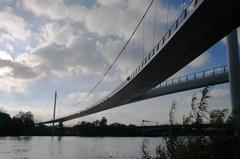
(67, 45)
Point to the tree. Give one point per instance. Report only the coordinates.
(60, 128)
(103, 122)
(96, 123)
(16, 126)
(218, 117)
(27, 118)
(5, 120)
(60, 125)
(171, 141)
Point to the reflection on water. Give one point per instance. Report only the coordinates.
(72, 147)
(23, 138)
(59, 138)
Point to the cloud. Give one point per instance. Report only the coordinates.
(201, 60)
(9, 84)
(79, 57)
(73, 43)
(219, 93)
(5, 56)
(77, 99)
(18, 70)
(103, 18)
(3, 110)
(78, 95)
(115, 18)
(56, 10)
(14, 75)
(28, 59)
(110, 50)
(9, 48)
(53, 33)
(120, 17)
(15, 78)
(6, 37)
(14, 25)
(98, 19)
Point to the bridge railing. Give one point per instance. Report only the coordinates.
(195, 76)
(188, 10)
(190, 7)
(198, 75)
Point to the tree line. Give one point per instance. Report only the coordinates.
(200, 121)
(21, 124)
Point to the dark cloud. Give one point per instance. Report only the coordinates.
(18, 70)
(80, 57)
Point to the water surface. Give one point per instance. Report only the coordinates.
(74, 147)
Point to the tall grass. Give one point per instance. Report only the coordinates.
(214, 142)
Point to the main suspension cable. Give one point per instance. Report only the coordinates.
(121, 51)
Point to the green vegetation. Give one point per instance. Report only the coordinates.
(214, 142)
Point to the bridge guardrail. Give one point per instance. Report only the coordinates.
(198, 75)
(187, 11)
(189, 8)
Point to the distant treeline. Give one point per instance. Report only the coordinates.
(200, 121)
(23, 124)
(20, 124)
(95, 128)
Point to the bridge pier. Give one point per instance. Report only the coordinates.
(234, 76)
(54, 112)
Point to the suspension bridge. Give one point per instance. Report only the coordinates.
(160, 51)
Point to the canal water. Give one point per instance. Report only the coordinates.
(75, 147)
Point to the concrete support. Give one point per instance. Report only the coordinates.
(54, 111)
(234, 76)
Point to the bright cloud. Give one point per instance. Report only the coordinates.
(5, 56)
(6, 37)
(53, 33)
(14, 75)
(104, 18)
(56, 10)
(13, 25)
(9, 48)
(9, 84)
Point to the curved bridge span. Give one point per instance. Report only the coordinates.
(217, 75)
(201, 24)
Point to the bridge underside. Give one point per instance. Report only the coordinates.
(189, 83)
(184, 86)
(210, 22)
